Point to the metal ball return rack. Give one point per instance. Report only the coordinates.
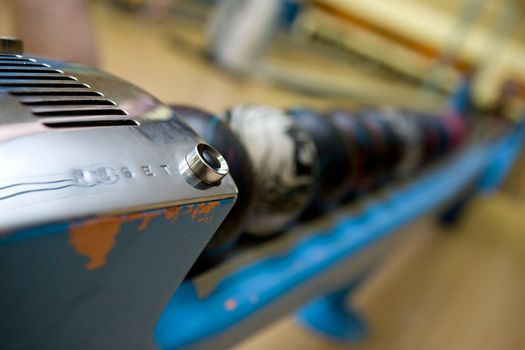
(314, 269)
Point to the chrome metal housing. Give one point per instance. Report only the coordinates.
(75, 141)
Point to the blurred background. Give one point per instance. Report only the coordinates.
(459, 289)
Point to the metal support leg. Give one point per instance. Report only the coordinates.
(331, 316)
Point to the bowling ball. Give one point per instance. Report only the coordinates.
(392, 140)
(440, 137)
(379, 147)
(444, 139)
(431, 137)
(334, 157)
(456, 129)
(357, 139)
(285, 165)
(410, 138)
(217, 134)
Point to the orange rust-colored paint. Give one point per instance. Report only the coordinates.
(145, 217)
(230, 304)
(94, 238)
(145, 222)
(172, 214)
(202, 212)
(189, 209)
(204, 209)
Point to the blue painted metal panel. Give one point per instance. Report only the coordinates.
(98, 282)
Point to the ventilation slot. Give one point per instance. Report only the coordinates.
(24, 76)
(79, 112)
(4, 63)
(60, 100)
(22, 69)
(54, 85)
(57, 92)
(91, 123)
(6, 55)
(16, 59)
(69, 102)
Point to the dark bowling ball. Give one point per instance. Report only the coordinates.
(456, 127)
(285, 165)
(380, 147)
(357, 139)
(393, 141)
(431, 137)
(410, 136)
(218, 135)
(334, 157)
(444, 139)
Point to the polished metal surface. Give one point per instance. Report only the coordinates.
(206, 164)
(76, 141)
(11, 46)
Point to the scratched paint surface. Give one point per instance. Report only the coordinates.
(94, 238)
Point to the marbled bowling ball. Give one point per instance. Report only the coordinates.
(334, 157)
(217, 134)
(359, 141)
(285, 165)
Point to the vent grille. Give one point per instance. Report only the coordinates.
(91, 123)
(49, 93)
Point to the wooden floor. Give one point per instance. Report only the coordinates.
(459, 289)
